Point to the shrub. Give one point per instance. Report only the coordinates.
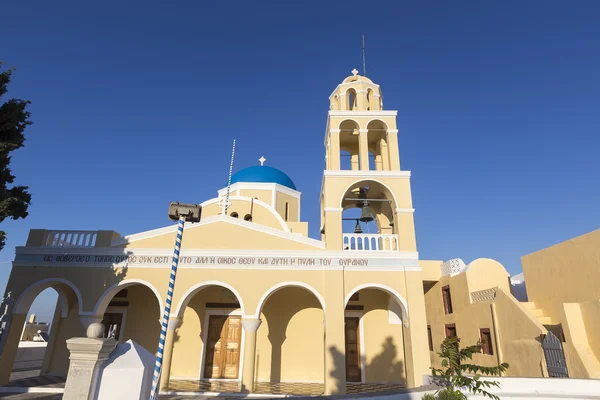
(454, 368)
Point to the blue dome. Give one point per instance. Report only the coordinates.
(263, 174)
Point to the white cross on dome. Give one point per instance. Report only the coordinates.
(262, 160)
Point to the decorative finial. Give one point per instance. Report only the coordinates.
(262, 160)
(354, 72)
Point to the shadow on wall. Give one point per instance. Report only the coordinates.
(383, 366)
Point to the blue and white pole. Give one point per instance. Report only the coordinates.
(165, 318)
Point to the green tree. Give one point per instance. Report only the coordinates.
(14, 118)
(454, 370)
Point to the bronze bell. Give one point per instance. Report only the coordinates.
(365, 215)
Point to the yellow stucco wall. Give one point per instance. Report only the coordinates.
(290, 339)
(263, 195)
(142, 323)
(562, 281)
(590, 312)
(260, 214)
(222, 235)
(293, 206)
(567, 272)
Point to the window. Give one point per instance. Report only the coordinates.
(486, 341)
(429, 337)
(234, 214)
(286, 210)
(450, 330)
(447, 299)
(248, 218)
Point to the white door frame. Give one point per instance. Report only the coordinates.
(221, 311)
(361, 331)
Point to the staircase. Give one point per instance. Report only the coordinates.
(538, 314)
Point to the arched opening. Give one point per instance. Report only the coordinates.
(349, 145)
(368, 217)
(128, 306)
(378, 148)
(373, 166)
(248, 217)
(43, 317)
(351, 98)
(372, 100)
(234, 214)
(208, 345)
(374, 335)
(345, 160)
(290, 345)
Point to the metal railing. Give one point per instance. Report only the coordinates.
(370, 242)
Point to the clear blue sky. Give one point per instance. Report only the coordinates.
(135, 105)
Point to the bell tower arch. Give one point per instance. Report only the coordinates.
(366, 203)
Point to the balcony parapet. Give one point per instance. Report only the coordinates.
(70, 239)
(370, 242)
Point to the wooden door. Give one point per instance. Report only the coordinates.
(353, 373)
(223, 347)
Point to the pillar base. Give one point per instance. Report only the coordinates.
(86, 356)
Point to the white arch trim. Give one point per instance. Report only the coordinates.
(281, 285)
(26, 298)
(368, 179)
(107, 296)
(284, 225)
(387, 289)
(198, 287)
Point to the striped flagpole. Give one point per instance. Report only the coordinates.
(165, 319)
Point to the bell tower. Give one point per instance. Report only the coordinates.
(362, 171)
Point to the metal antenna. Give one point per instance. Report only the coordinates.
(226, 205)
(364, 59)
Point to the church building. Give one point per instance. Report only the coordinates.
(258, 305)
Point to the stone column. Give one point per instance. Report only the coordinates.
(49, 355)
(363, 149)
(165, 374)
(392, 139)
(250, 326)
(10, 344)
(415, 331)
(333, 228)
(385, 155)
(335, 344)
(87, 354)
(405, 228)
(334, 149)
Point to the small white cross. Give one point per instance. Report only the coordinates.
(354, 72)
(262, 160)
